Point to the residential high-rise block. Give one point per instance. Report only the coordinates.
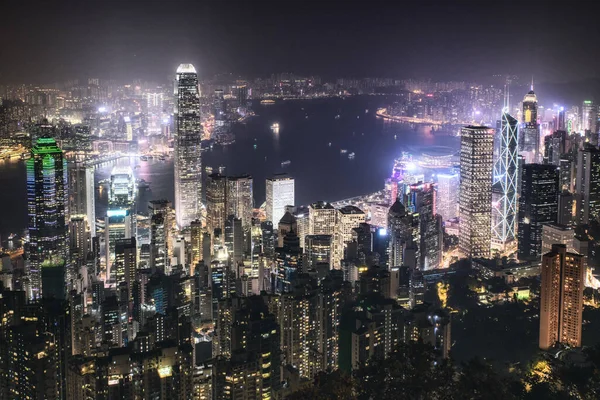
(47, 205)
(475, 201)
(538, 205)
(561, 298)
(188, 161)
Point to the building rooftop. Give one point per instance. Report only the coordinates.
(351, 210)
(186, 69)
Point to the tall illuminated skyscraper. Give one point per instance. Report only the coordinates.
(280, 193)
(505, 176)
(529, 140)
(47, 201)
(188, 165)
(561, 298)
(476, 144)
(119, 221)
(588, 116)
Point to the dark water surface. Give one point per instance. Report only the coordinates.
(306, 129)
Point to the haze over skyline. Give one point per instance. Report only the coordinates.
(44, 43)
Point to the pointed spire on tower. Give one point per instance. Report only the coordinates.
(532, 83)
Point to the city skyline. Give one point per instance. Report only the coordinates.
(340, 231)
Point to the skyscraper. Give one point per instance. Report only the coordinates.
(216, 202)
(420, 200)
(81, 193)
(280, 193)
(587, 185)
(475, 199)
(348, 218)
(538, 205)
(188, 165)
(505, 177)
(529, 140)
(47, 201)
(561, 298)
(240, 200)
(588, 116)
(447, 193)
(321, 218)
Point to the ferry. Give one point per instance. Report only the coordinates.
(351, 156)
(343, 151)
(144, 158)
(267, 102)
(286, 163)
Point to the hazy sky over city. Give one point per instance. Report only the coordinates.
(47, 41)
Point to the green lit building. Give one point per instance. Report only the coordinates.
(47, 208)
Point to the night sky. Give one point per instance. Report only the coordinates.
(41, 42)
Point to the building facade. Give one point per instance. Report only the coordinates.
(188, 159)
(561, 299)
(280, 193)
(475, 199)
(47, 206)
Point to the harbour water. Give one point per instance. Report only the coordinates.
(306, 129)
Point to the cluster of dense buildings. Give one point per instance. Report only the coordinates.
(206, 298)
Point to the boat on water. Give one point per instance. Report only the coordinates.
(343, 151)
(144, 158)
(142, 184)
(267, 101)
(162, 157)
(286, 163)
(351, 156)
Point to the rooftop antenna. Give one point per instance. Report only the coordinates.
(506, 105)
